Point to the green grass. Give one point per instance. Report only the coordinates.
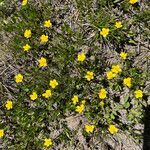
(30, 122)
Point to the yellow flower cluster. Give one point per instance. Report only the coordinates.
(102, 93)
(47, 24)
(19, 78)
(47, 94)
(89, 128)
(33, 96)
(112, 73)
(44, 38)
(89, 75)
(42, 62)
(115, 69)
(1, 133)
(138, 94)
(105, 31)
(24, 2)
(26, 47)
(27, 34)
(133, 1)
(47, 142)
(123, 55)
(113, 129)
(118, 24)
(75, 99)
(81, 57)
(53, 84)
(127, 82)
(81, 106)
(9, 104)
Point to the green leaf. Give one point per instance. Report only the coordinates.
(127, 105)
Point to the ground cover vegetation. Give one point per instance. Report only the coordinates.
(64, 68)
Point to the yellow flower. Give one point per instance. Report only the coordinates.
(42, 62)
(27, 34)
(18, 78)
(80, 108)
(123, 55)
(118, 24)
(26, 47)
(89, 75)
(116, 69)
(113, 129)
(110, 75)
(24, 2)
(81, 57)
(47, 142)
(133, 1)
(1, 133)
(127, 82)
(83, 102)
(9, 105)
(138, 94)
(44, 38)
(53, 83)
(89, 128)
(47, 24)
(33, 96)
(104, 32)
(75, 99)
(47, 94)
(102, 94)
